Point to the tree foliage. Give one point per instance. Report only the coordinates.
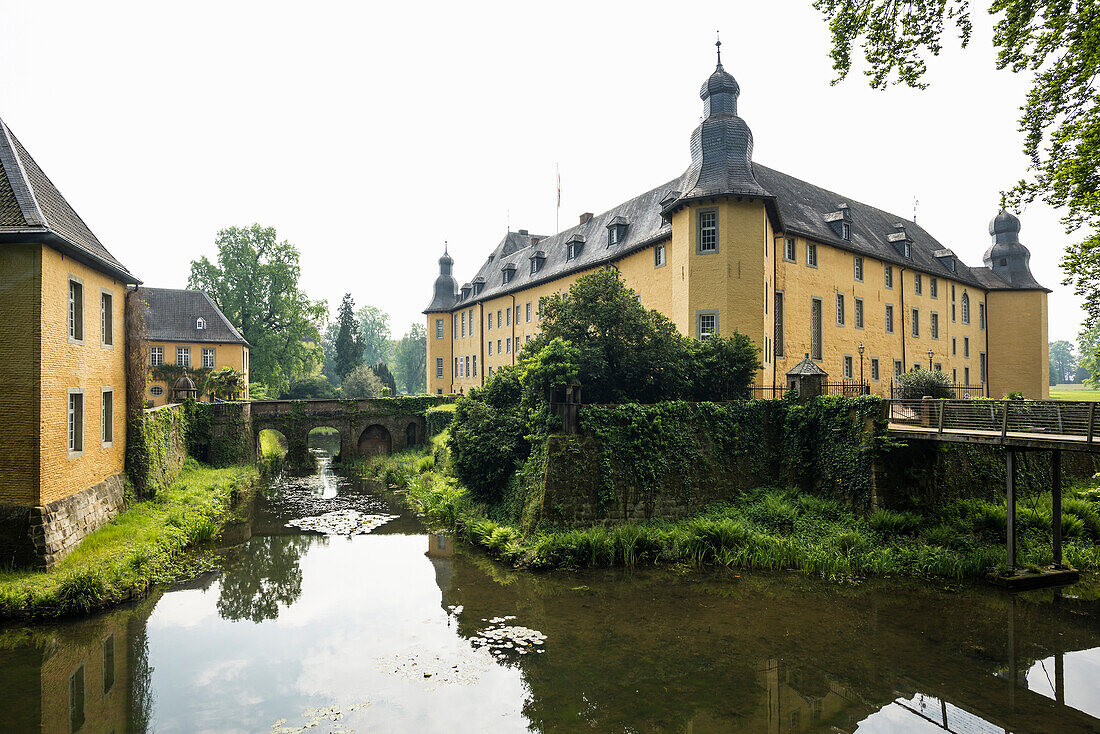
(226, 383)
(1063, 362)
(1057, 43)
(348, 346)
(384, 374)
(411, 360)
(488, 435)
(311, 387)
(255, 284)
(919, 383)
(1089, 355)
(374, 331)
(361, 382)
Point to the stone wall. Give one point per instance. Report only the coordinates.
(56, 528)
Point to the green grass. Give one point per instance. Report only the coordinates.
(1073, 392)
(771, 529)
(272, 445)
(141, 546)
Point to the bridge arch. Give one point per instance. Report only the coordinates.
(411, 435)
(375, 440)
(326, 438)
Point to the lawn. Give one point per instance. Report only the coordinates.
(1073, 392)
(141, 546)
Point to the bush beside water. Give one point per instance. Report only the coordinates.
(773, 529)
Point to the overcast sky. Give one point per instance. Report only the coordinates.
(367, 134)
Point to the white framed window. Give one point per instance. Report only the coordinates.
(438, 367)
(208, 357)
(811, 254)
(200, 323)
(107, 417)
(76, 421)
(858, 312)
(535, 263)
(572, 252)
(463, 323)
(915, 322)
(874, 369)
(706, 324)
(954, 375)
(156, 356)
(889, 318)
(457, 371)
(76, 310)
(845, 231)
(474, 373)
(613, 236)
(966, 349)
(490, 347)
(954, 346)
(517, 314)
(937, 367)
(790, 251)
(507, 317)
(106, 318)
(966, 307)
(455, 329)
(489, 322)
(848, 367)
(708, 232)
(815, 328)
(981, 315)
(499, 317)
(467, 373)
(508, 346)
(439, 329)
(778, 338)
(156, 391)
(888, 276)
(659, 259)
(517, 344)
(934, 325)
(857, 268)
(898, 368)
(933, 287)
(981, 365)
(908, 250)
(500, 346)
(528, 309)
(840, 309)
(966, 375)
(183, 356)
(918, 286)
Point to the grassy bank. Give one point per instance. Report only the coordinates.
(764, 529)
(145, 544)
(1073, 392)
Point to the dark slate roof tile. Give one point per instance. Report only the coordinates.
(172, 314)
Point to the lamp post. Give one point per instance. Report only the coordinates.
(861, 363)
(930, 360)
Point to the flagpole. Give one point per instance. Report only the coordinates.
(557, 212)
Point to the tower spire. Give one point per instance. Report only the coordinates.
(718, 45)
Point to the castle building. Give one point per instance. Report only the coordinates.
(186, 334)
(733, 245)
(62, 368)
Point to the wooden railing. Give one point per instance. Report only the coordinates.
(1019, 419)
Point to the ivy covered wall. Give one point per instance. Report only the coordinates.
(156, 449)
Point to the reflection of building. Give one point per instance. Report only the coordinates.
(62, 367)
(441, 546)
(796, 705)
(185, 333)
(731, 245)
(80, 677)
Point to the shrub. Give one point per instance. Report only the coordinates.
(774, 512)
(487, 440)
(361, 382)
(849, 541)
(920, 382)
(308, 388)
(436, 420)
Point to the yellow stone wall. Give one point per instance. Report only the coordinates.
(1018, 343)
(83, 650)
(88, 366)
(20, 372)
(226, 355)
(740, 282)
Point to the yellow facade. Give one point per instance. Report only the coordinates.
(159, 392)
(739, 283)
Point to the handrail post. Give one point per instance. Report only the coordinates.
(1092, 422)
(1004, 420)
(943, 407)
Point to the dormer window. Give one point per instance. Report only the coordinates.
(537, 259)
(466, 288)
(616, 231)
(507, 273)
(479, 283)
(901, 241)
(200, 323)
(846, 231)
(908, 250)
(840, 222)
(574, 246)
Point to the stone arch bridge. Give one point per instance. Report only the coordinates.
(367, 427)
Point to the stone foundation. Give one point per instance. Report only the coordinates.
(54, 530)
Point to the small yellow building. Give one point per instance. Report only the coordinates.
(62, 368)
(803, 271)
(186, 334)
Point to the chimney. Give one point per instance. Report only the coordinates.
(523, 232)
(586, 217)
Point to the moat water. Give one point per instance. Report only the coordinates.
(401, 630)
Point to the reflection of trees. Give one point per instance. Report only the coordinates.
(265, 575)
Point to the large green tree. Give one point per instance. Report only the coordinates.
(411, 359)
(1057, 42)
(1088, 354)
(255, 284)
(374, 330)
(1063, 362)
(349, 343)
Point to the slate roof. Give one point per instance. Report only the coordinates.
(31, 208)
(172, 314)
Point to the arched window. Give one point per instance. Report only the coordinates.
(200, 323)
(966, 308)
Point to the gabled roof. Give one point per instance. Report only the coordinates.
(172, 314)
(31, 208)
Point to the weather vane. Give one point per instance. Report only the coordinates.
(718, 43)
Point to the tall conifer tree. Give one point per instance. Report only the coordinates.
(349, 344)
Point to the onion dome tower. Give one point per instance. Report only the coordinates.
(446, 287)
(721, 147)
(1007, 257)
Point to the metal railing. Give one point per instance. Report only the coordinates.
(958, 392)
(767, 393)
(1056, 419)
(848, 388)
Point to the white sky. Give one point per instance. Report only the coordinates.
(369, 133)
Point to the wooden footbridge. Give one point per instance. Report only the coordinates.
(1015, 425)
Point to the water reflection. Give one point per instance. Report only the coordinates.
(299, 621)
